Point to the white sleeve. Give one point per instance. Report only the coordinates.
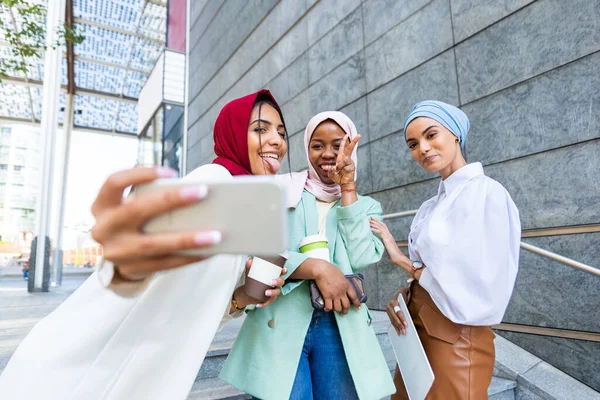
(237, 313)
(472, 255)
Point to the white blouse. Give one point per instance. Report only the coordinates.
(468, 236)
(323, 209)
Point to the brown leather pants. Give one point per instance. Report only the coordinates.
(461, 356)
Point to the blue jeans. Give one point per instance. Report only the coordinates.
(323, 372)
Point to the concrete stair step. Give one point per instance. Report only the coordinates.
(219, 349)
(213, 389)
(216, 389)
(501, 389)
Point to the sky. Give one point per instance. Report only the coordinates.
(93, 157)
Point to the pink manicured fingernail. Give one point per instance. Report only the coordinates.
(207, 238)
(268, 293)
(285, 271)
(164, 172)
(259, 306)
(194, 192)
(274, 282)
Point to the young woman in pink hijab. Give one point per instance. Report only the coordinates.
(290, 349)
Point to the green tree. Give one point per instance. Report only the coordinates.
(23, 25)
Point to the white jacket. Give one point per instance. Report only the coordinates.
(101, 345)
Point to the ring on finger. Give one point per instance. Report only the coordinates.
(397, 308)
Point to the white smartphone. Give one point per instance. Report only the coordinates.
(249, 212)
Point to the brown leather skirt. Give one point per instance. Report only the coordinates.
(461, 356)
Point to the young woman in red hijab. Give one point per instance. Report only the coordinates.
(150, 339)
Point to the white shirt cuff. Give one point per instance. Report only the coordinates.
(121, 287)
(425, 279)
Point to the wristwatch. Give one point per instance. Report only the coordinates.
(413, 269)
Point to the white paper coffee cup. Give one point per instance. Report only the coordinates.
(315, 246)
(260, 277)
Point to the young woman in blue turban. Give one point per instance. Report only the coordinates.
(463, 257)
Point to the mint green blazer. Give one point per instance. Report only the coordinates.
(265, 356)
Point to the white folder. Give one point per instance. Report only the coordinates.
(411, 358)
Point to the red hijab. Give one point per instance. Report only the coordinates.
(231, 132)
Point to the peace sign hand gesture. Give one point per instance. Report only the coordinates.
(343, 172)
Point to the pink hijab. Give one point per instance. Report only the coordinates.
(309, 180)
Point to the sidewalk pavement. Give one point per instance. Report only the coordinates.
(17, 272)
(20, 310)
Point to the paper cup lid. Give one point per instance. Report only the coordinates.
(313, 239)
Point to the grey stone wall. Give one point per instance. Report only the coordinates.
(526, 72)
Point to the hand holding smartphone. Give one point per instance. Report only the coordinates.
(249, 212)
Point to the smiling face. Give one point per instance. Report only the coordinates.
(266, 140)
(323, 148)
(433, 146)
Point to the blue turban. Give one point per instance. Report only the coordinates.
(451, 117)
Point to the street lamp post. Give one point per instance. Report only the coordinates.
(54, 19)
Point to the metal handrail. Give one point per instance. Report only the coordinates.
(526, 246)
(400, 214)
(551, 332)
(561, 259)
